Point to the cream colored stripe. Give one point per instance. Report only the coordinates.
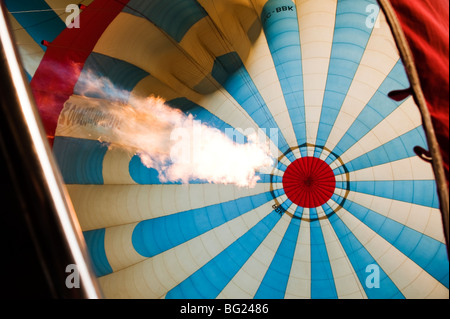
(277, 186)
(154, 277)
(410, 279)
(316, 23)
(412, 168)
(346, 281)
(299, 284)
(103, 206)
(379, 59)
(59, 7)
(404, 119)
(116, 167)
(297, 153)
(119, 248)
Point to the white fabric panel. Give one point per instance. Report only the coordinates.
(412, 168)
(346, 281)
(379, 58)
(299, 284)
(316, 24)
(119, 248)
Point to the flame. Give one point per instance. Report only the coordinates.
(179, 147)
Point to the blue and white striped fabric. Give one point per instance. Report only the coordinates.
(34, 21)
(317, 72)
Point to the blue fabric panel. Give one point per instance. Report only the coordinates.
(280, 166)
(274, 284)
(415, 191)
(124, 76)
(278, 192)
(80, 161)
(286, 204)
(175, 17)
(95, 241)
(144, 175)
(299, 212)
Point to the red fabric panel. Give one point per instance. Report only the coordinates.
(56, 76)
(309, 182)
(426, 26)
